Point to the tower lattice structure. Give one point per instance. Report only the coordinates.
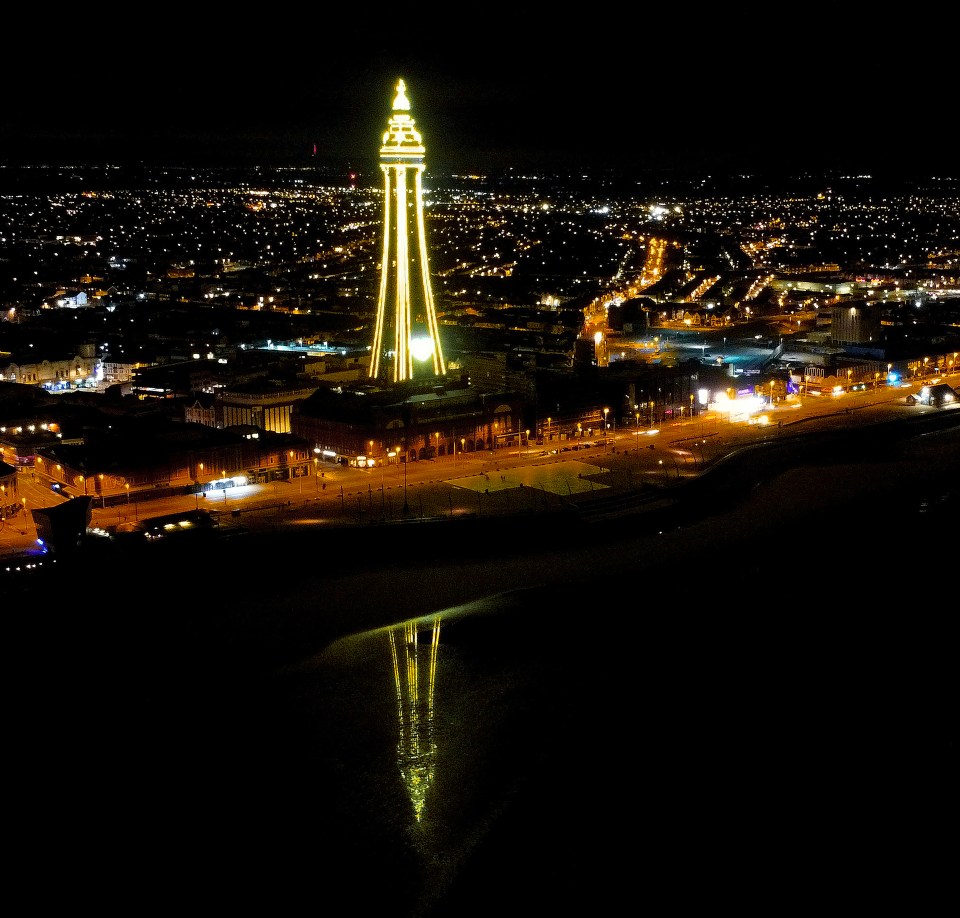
(406, 342)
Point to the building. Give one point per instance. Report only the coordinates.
(856, 323)
(119, 460)
(82, 368)
(406, 342)
(262, 403)
(10, 501)
(409, 422)
(62, 527)
(409, 407)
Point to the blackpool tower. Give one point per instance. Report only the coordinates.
(406, 344)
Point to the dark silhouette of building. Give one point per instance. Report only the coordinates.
(63, 526)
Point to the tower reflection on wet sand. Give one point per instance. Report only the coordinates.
(414, 679)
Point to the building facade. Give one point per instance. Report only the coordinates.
(80, 369)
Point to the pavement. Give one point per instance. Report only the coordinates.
(18, 536)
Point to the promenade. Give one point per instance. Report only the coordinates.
(628, 470)
(523, 481)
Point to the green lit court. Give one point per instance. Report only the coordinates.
(566, 478)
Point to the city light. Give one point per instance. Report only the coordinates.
(739, 408)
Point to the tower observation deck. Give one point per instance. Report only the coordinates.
(406, 342)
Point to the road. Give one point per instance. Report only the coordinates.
(488, 483)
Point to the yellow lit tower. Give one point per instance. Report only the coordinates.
(405, 342)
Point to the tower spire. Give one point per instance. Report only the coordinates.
(406, 340)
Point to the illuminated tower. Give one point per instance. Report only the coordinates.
(405, 342)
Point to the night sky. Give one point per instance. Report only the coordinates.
(722, 91)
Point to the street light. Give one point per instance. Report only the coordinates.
(606, 411)
(697, 446)
(663, 469)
